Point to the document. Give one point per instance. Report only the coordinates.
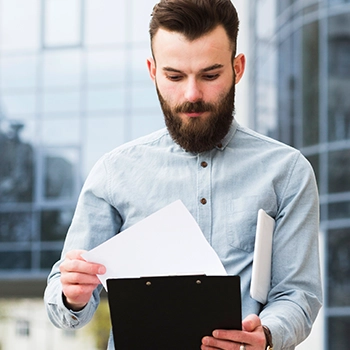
(168, 242)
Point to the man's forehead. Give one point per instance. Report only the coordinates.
(173, 49)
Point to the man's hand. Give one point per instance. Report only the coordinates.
(78, 278)
(252, 336)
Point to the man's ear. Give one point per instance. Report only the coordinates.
(239, 67)
(151, 64)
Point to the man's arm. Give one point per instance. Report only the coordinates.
(72, 293)
(296, 294)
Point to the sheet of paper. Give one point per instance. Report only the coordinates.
(168, 242)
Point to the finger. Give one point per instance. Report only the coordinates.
(82, 266)
(214, 343)
(77, 291)
(79, 278)
(230, 335)
(75, 254)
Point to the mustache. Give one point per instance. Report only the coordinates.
(194, 107)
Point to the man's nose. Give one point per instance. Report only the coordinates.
(193, 92)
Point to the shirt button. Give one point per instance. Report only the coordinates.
(74, 318)
(204, 164)
(220, 145)
(203, 201)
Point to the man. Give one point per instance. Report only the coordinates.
(222, 172)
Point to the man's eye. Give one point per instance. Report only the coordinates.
(211, 76)
(174, 77)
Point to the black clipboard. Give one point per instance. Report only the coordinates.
(172, 312)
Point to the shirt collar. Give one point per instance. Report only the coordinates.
(226, 140)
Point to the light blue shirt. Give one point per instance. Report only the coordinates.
(223, 189)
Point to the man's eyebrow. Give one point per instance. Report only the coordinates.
(169, 69)
(213, 67)
(204, 70)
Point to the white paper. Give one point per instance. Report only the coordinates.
(168, 242)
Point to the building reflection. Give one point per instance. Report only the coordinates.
(24, 225)
(310, 41)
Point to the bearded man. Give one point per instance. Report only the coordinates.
(223, 173)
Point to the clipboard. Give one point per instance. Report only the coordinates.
(172, 312)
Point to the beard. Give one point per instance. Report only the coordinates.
(199, 134)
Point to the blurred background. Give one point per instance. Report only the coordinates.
(74, 85)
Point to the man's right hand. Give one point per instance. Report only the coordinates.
(78, 278)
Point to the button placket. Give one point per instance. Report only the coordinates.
(204, 195)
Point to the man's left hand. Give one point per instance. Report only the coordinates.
(252, 336)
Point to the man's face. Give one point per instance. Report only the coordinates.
(195, 84)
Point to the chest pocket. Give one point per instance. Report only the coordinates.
(241, 220)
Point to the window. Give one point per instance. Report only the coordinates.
(62, 25)
(310, 76)
(339, 77)
(22, 328)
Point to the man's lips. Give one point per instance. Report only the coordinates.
(194, 114)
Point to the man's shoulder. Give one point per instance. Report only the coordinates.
(153, 139)
(248, 135)
(156, 139)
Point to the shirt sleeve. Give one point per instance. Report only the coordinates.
(296, 291)
(95, 221)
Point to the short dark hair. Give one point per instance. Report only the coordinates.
(195, 18)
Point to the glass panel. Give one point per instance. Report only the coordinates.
(61, 131)
(65, 101)
(284, 4)
(103, 134)
(17, 166)
(18, 72)
(15, 227)
(105, 22)
(315, 162)
(335, 2)
(28, 133)
(59, 167)
(15, 260)
(310, 8)
(141, 12)
(339, 77)
(55, 224)
(286, 91)
(48, 258)
(143, 124)
(145, 97)
(20, 25)
(338, 333)
(106, 99)
(310, 49)
(62, 68)
(13, 104)
(338, 171)
(106, 67)
(139, 64)
(57, 13)
(339, 267)
(22, 328)
(339, 210)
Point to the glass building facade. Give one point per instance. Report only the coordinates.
(73, 85)
(301, 80)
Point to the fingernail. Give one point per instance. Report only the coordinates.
(101, 270)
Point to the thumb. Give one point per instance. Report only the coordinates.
(250, 323)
